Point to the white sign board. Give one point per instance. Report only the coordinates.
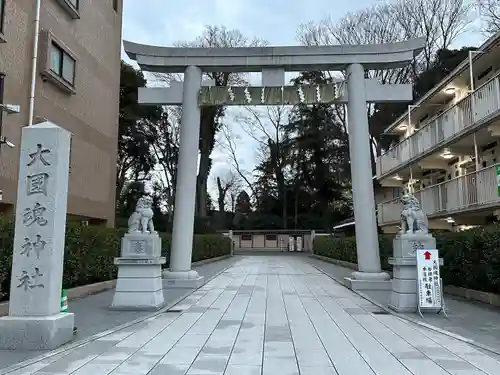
(299, 243)
(428, 279)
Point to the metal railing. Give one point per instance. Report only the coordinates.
(470, 191)
(473, 108)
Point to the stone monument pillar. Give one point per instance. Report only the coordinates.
(35, 321)
(139, 283)
(414, 235)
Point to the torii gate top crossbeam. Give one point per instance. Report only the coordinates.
(254, 59)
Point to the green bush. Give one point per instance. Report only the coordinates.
(90, 252)
(471, 258)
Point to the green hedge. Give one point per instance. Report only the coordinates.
(90, 252)
(471, 258)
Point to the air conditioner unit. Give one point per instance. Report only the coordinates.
(85, 223)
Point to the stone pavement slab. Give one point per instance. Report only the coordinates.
(93, 316)
(472, 320)
(269, 315)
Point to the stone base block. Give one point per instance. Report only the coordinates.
(141, 244)
(403, 302)
(138, 272)
(401, 272)
(404, 286)
(138, 301)
(179, 279)
(404, 245)
(183, 283)
(36, 332)
(138, 287)
(356, 284)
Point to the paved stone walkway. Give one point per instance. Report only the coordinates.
(93, 316)
(469, 319)
(271, 315)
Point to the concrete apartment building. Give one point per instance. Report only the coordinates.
(449, 149)
(77, 87)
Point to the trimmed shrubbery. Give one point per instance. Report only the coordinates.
(471, 258)
(90, 252)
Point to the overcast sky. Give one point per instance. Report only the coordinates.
(160, 22)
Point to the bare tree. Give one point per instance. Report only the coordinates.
(228, 141)
(440, 22)
(213, 37)
(266, 126)
(489, 10)
(165, 147)
(226, 184)
(264, 123)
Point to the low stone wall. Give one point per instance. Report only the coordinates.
(352, 266)
(473, 295)
(470, 294)
(88, 290)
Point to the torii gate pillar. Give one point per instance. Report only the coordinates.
(180, 273)
(369, 274)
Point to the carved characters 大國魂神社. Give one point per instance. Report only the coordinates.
(27, 281)
(37, 184)
(35, 215)
(142, 219)
(39, 156)
(413, 219)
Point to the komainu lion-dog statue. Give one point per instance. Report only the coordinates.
(142, 219)
(413, 219)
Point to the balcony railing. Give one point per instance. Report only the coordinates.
(473, 108)
(471, 191)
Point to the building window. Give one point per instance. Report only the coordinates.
(2, 15)
(115, 5)
(246, 237)
(62, 64)
(270, 237)
(59, 63)
(71, 6)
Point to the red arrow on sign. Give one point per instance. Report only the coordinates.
(427, 255)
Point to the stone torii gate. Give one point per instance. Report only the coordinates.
(273, 62)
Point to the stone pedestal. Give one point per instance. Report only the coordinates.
(182, 279)
(368, 281)
(404, 295)
(139, 283)
(35, 321)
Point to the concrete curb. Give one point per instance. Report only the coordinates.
(80, 343)
(411, 320)
(74, 293)
(343, 263)
(210, 260)
(90, 289)
(468, 294)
